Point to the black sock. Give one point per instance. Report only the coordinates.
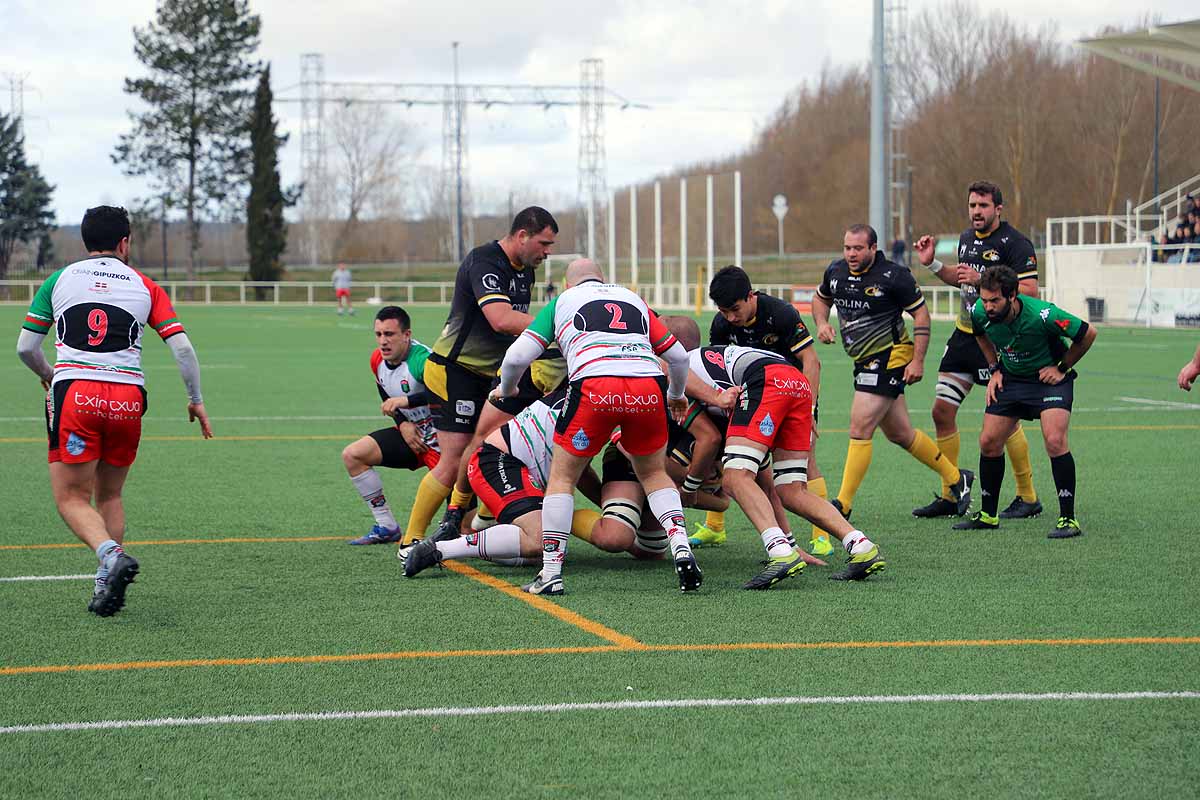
(991, 476)
(1063, 468)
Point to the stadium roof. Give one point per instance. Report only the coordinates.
(1146, 50)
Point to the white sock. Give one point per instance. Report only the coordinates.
(497, 542)
(370, 486)
(106, 554)
(776, 542)
(856, 542)
(557, 510)
(668, 510)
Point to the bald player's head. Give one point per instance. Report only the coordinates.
(582, 269)
(685, 330)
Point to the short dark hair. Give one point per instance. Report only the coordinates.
(397, 313)
(533, 220)
(860, 227)
(1000, 278)
(104, 227)
(729, 285)
(988, 188)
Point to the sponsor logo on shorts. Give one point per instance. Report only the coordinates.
(102, 404)
(624, 401)
(894, 382)
(75, 445)
(1053, 399)
(464, 408)
(767, 426)
(867, 379)
(580, 440)
(794, 387)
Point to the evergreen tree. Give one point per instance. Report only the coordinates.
(193, 141)
(25, 212)
(266, 232)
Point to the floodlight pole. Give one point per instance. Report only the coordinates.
(458, 178)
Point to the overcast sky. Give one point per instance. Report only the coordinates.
(712, 71)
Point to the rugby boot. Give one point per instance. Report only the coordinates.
(978, 521)
(706, 537)
(775, 570)
(449, 527)
(1065, 528)
(380, 535)
(690, 576)
(421, 556)
(962, 491)
(940, 507)
(858, 567)
(1020, 509)
(109, 598)
(820, 547)
(553, 586)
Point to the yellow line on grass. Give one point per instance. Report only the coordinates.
(614, 648)
(622, 641)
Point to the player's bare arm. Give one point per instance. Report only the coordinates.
(916, 368)
(947, 273)
(1056, 373)
(820, 309)
(505, 319)
(1190, 372)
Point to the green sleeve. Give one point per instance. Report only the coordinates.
(543, 324)
(1060, 323)
(418, 354)
(40, 317)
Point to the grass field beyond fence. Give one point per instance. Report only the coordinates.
(977, 665)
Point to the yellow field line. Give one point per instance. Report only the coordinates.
(622, 641)
(642, 648)
(147, 542)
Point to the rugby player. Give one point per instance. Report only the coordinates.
(98, 308)
(610, 340)
(490, 308)
(398, 366)
(871, 295)
(1032, 377)
(754, 319)
(988, 242)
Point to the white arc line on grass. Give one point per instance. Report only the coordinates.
(17, 578)
(1164, 403)
(620, 705)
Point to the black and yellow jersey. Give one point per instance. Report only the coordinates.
(870, 305)
(777, 326)
(467, 339)
(1005, 245)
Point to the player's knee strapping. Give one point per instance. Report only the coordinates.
(738, 457)
(791, 470)
(624, 511)
(654, 541)
(952, 392)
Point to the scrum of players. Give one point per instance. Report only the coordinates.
(509, 411)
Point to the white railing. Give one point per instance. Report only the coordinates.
(1169, 204)
(1100, 229)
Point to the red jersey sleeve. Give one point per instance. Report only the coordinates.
(661, 339)
(162, 314)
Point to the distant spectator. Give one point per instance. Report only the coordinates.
(341, 287)
(899, 248)
(551, 290)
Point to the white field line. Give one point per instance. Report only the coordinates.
(623, 705)
(1172, 404)
(17, 578)
(338, 418)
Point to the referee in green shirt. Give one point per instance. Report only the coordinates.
(1031, 348)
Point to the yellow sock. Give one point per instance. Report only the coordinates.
(582, 523)
(924, 450)
(817, 487)
(460, 499)
(430, 496)
(858, 460)
(1018, 454)
(949, 446)
(715, 521)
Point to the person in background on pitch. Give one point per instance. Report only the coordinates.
(98, 308)
(988, 242)
(1033, 377)
(871, 295)
(341, 287)
(398, 366)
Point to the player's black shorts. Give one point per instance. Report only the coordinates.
(616, 466)
(964, 357)
(873, 374)
(465, 392)
(396, 452)
(1027, 399)
(503, 484)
